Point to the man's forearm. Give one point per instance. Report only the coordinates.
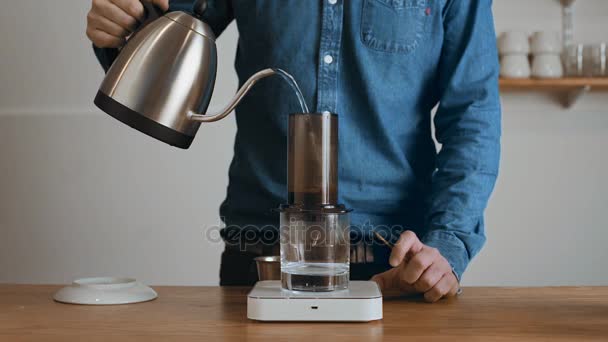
(468, 127)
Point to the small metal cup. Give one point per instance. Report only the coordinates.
(269, 267)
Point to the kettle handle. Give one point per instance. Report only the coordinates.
(151, 13)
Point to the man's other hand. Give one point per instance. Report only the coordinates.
(110, 22)
(418, 268)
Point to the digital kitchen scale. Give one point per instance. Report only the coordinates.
(361, 302)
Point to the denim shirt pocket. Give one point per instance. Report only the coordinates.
(394, 26)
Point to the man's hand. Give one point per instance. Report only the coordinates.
(110, 22)
(418, 269)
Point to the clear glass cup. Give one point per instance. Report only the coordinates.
(586, 60)
(597, 59)
(315, 249)
(574, 60)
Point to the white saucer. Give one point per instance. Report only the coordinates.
(105, 291)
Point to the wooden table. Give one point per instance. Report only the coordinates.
(28, 313)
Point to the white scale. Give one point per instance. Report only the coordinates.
(361, 302)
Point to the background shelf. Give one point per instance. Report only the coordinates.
(572, 87)
(548, 84)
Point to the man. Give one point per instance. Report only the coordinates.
(381, 65)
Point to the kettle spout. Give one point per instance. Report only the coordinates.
(236, 100)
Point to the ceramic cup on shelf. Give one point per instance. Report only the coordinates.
(515, 66)
(547, 66)
(513, 42)
(545, 42)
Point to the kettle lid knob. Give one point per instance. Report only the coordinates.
(200, 6)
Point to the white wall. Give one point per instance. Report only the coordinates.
(546, 222)
(82, 195)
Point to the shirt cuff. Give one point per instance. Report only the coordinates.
(451, 248)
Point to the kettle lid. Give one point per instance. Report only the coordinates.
(192, 23)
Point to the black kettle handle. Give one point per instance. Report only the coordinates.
(151, 13)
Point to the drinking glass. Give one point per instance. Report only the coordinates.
(574, 60)
(315, 249)
(597, 59)
(586, 60)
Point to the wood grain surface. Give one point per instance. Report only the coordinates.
(27, 313)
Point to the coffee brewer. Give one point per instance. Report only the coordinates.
(314, 228)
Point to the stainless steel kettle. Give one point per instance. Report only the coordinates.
(163, 78)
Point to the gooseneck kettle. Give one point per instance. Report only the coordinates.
(162, 80)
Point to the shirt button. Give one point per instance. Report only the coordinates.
(328, 59)
(332, 2)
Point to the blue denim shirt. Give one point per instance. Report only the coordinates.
(382, 66)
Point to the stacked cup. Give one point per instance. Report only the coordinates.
(514, 48)
(546, 50)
